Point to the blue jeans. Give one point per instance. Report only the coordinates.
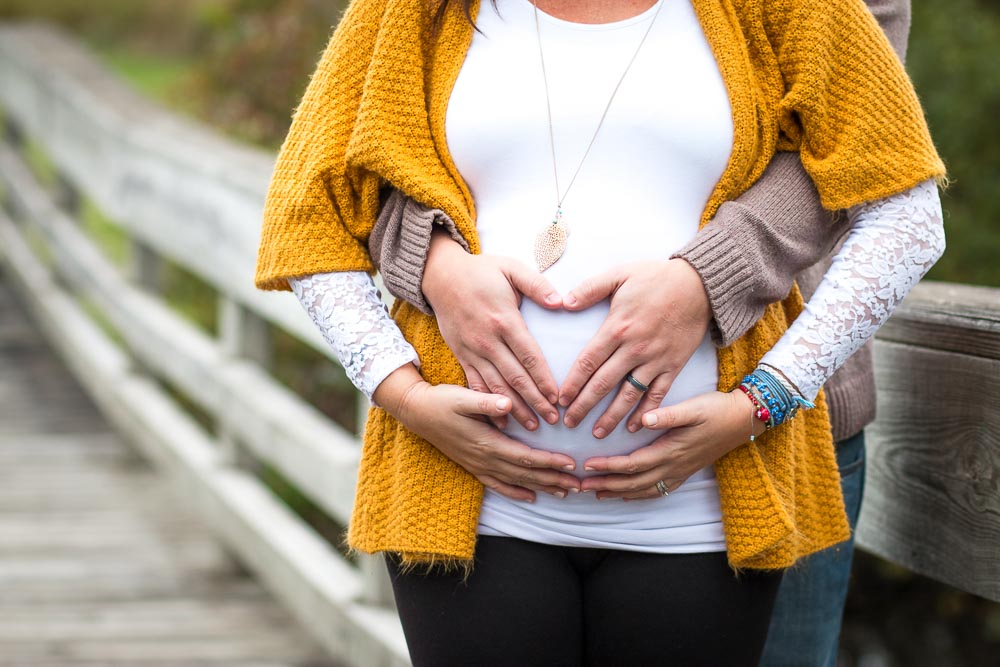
(805, 624)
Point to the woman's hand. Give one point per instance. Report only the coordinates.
(658, 318)
(453, 419)
(476, 300)
(699, 431)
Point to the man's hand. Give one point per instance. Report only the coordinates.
(453, 419)
(476, 299)
(659, 315)
(699, 431)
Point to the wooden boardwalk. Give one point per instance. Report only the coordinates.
(100, 564)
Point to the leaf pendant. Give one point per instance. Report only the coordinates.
(550, 244)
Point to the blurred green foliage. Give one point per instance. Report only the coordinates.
(953, 59)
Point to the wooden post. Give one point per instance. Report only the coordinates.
(931, 501)
(145, 267)
(377, 586)
(242, 335)
(12, 133)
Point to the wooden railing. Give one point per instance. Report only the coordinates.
(186, 195)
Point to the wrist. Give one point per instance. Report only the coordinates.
(699, 305)
(439, 270)
(744, 404)
(395, 393)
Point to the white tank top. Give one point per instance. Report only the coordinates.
(639, 196)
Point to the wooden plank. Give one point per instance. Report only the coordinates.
(277, 425)
(193, 651)
(208, 585)
(176, 186)
(178, 618)
(947, 316)
(298, 566)
(931, 496)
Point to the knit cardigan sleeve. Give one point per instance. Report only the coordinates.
(848, 105)
(317, 211)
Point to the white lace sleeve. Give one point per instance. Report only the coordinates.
(892, 244)
(348, 311)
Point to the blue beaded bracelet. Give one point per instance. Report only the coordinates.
(782, 403)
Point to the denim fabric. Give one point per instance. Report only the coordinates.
(805, 625)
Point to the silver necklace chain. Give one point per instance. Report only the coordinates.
(560, 198)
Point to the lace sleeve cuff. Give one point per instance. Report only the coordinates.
(352, 318)
(893, 242)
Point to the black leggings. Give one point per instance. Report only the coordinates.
(535, 604)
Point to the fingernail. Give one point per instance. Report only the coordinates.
(531, 424)
(574, 490)
(589, 468)
(569, 466)
(649, 419)
(560, 494)
(599, 432)
(553, 398)
(502, 403)
(564, 401)
(570, 422)
(570, 299)
(552, 418)
(632, 428)
(552, 298)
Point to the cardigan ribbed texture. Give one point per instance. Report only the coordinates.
(374, 113)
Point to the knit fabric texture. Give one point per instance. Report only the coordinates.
(806, 75)
(400, 241)
(747, 256)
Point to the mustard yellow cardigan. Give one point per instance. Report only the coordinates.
(815, 76)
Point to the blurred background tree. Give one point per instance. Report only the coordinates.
(241, 65)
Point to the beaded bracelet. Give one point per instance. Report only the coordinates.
(759, 411)
(783, 379)
(781, 402)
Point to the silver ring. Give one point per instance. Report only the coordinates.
(662, 488)
(635, 383)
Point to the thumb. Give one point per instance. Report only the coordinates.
(473, 403)
(592, 290)
(533, 285)
(673, 416)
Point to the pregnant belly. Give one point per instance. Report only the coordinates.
(562, 335)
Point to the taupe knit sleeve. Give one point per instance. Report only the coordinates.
(749, 254)
(399, 243)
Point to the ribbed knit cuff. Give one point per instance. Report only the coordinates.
(404, 273)
(399, 243)
(748, 254)
(716, 255)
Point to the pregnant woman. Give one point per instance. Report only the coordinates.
(583, 138)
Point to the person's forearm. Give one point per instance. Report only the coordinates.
(399, 244)
(892, 244)
(346, 308)
(750, 253)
